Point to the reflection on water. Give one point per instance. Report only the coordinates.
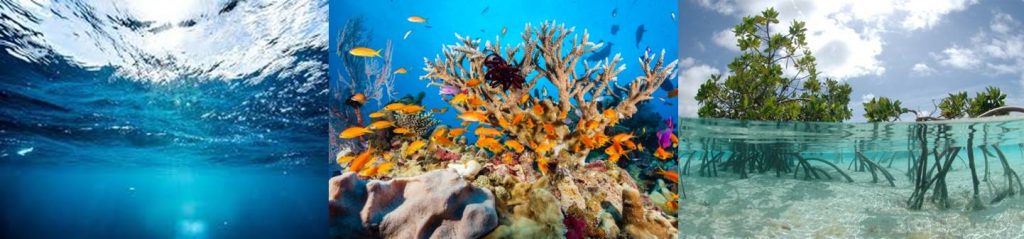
(885, 179)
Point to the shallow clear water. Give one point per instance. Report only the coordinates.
(802, 179)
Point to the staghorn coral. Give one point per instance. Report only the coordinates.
(547, 53)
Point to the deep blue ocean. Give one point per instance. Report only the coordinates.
(165, 147)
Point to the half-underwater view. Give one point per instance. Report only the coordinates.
(163, 119)
(851, 119)
(503, 119)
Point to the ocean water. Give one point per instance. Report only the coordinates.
(387, 21)
(744, 178)
(202, 122)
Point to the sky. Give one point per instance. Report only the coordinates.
(915, 51)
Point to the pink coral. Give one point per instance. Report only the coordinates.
(445, 155)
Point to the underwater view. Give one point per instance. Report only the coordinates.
(119, 121)
(876, 180)
(526, 120)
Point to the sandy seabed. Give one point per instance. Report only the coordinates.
(766, 206)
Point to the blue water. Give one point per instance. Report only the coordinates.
(91, 152)
(387, 21)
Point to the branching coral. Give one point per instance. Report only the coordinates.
(547, 53)
(371, 77)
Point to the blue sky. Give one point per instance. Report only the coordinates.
(916, 51)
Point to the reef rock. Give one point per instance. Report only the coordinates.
(642, 223)
(438, 204)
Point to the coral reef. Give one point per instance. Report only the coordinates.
(438, 204)
(544, 54)
(532, 150)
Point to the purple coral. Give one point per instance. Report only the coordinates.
(665, 135)
(577, 227)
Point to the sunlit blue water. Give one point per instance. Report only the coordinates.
(111, 152)
(387, 20)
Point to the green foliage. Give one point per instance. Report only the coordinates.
(954, 105)
(883, 109)
(986, 100)
(757, 88)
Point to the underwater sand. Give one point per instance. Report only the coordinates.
(765, 206)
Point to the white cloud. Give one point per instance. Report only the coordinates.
(958, 57)
(725, 38)
(1002, 23)
(925, 14)
(922, 69)
(866, 98)
(693, 75)
(845, 36)
(995, 51)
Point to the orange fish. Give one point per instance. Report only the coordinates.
(514, 145)
(394, 106)
(538, 110)
(600, 139)
(670, 175)
(357, 99)
(489, 144)
(529, 123)
(518, 118)
(662, 154)
(507, 159)
(375, 115)
(612, 116)
(354, 131)
(481, 131)
(413, 147)
(459, 98)
(673, 204)
(592, 124)
(473, 83)
(563, 114)
(456, 132)
(673, 93)
(384, 168)
(543, 148)
(345, 159)
(621, 137)
(380, 125)
(410, 109)
(504, 123)
(675, 141)
(587, 141)
(473, 116)
(401, 130)
(474, 101)
(522, 99)
(439, 138)
(360, 161)
(368, 172)
(542, 164)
